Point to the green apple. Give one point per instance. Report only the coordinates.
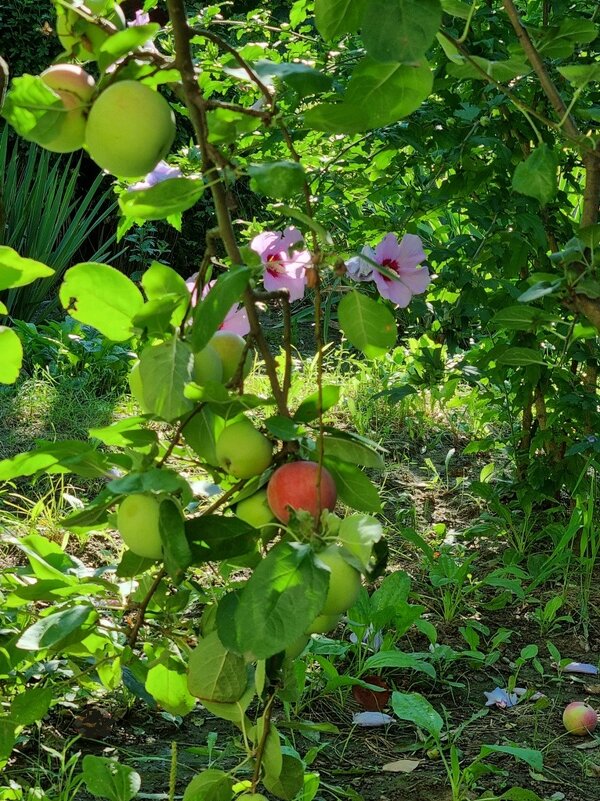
(323, 623)
(137, 521)
(230, 347)
(207, 366)
(243, 451)
(75, 88)
(255, 510)
(295, 649)
(344, 581)
(130, 128)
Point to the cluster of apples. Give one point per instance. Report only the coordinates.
(126, 129)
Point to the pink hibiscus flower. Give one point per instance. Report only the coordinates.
(162, 172)
(236, 319)
(403, 276)
(284, 268)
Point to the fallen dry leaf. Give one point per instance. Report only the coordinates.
(593, 689)
(402, 766)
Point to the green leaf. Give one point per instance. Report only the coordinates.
(538, 290)
(210, 785)
(31, 706)
(456, 8)
(581, 74)
(101, 296)
(304, 80)
(106, 778)
(309, 408)
(520, 318)
(519, 794)
(8, 739)
(279, 179)
(173, 196)
(124, 42)
(336, 17)
(530, 756)
(11, 355)
(400, 30)
(17, 271)
(225, 126)
(537, 176)
(32, 108)
(521, 357)
(369, 325)
(215, 538)
(165, 369)
(397, 659)
(309, 221)
(210, 312)
(216, 674)
(502, 70)
(289, 782)
(377, 95)
(157, 479)
(160, 280)
(416, 709)
(284, 594)
(168, 686)
(57, 629)
(176, 550)
(57, 457)
(351, 450)
(283, 428)
(354, 488)
(201, 434)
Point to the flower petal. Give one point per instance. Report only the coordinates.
(410, 251)
(417, 280)
(395, 291)
(236, 321)
(388, 248)
(294, 282)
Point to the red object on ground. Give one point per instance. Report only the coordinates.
(371, 700)
(295, 484)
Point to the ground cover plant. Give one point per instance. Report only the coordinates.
(334, 530)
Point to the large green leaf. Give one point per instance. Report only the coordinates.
(537, 176)
(520, 318)
(216, 674)
(11, 355)
(214, 538)
(368, 324)
(521, 357)
(31, 706)
(165, 369)
(309, 408)
(102, 297)
(377, 95)
(336, 17)
(530, 756)
(290, 780)
(167, 684)
(123, 42)
(32, 108)
(282, 597)
(210, 785)
(58, 629)
(107, 778)
(342, 446)
(173, 196)
(279, 179)
(17, 271)
(416, 709)
(57, 457)
(400, 30)
(398, 660)
(354, 488)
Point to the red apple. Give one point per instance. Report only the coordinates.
(295, 485)
(580, 718)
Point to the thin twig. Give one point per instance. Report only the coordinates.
(131, 640)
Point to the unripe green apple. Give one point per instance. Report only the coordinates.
(580, 718)
(251, 797)
(243, 451)
(137, 521)
(130, 128)
(323, 623)
(207, 366)
(230, 347)
(75, 88)
(255, 510)
(344, 581)
(295, 649)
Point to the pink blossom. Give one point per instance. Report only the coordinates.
(162, 172)
(284, 268)
(236, 319)
(402, 258)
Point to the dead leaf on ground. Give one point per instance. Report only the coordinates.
(402, 766)
(592, 689)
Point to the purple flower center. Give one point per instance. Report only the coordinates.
(391, 264)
